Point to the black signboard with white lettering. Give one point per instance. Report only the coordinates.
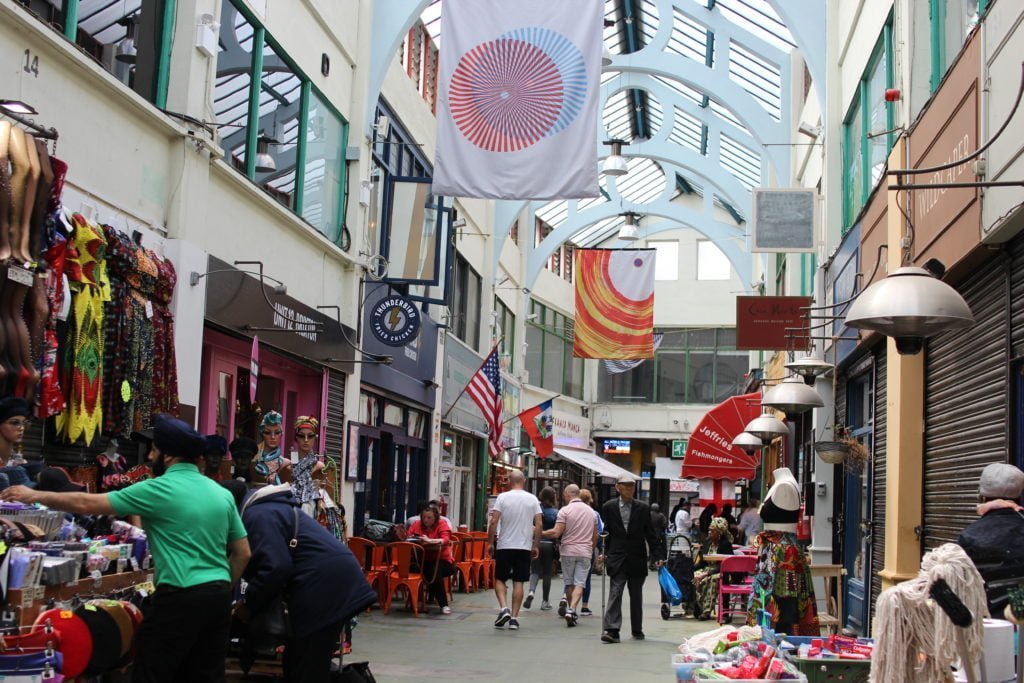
(236, 301)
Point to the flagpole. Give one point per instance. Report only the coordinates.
(493, 349)
(531, 408)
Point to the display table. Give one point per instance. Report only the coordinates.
(27, 604)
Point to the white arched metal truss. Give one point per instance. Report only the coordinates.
(720, 88)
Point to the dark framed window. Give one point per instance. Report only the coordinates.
(506, 321)
(692, 365)
(549, 358)
(465, 305)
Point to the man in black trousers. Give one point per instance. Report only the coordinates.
(627, 522)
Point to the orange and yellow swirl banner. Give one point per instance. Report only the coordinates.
(614, 304)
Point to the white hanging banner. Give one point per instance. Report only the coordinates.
(518, 99)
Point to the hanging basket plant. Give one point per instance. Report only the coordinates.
(832, 452)
(857, 457)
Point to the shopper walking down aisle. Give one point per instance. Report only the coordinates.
(544, 566)
(630, 538)
(660, 523)
(750, 522)
(587, 497)
(199, 548)
(513, 539)
(682, 519)
(320, 576)
(577, 528)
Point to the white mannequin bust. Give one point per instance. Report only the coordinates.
(784, 497)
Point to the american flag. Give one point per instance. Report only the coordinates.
(485, 390)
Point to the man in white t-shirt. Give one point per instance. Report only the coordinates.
(683, 521)
(513, 540)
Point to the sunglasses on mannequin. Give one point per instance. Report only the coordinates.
(305, 437)
(273, 433)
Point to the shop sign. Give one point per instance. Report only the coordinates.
(679, 449)
(572, 431)
(762, 322)
(394, 320)
(237, 301)
(684, 486)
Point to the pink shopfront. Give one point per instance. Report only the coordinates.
(298, 354)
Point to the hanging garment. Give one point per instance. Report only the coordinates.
(165, 363)
(82, 367)
(782, 585)
(128, 395)
(51, 394)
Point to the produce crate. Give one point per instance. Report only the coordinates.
(831, 670)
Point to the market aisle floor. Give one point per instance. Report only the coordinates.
(466, 646)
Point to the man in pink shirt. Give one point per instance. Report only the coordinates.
(576, 525)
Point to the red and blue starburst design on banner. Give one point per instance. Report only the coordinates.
(507, 94)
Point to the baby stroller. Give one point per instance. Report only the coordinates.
(680, 566)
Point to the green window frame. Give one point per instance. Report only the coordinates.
(305, 130)
(507, 322)
(942, 52)
(69, 16)
(671, 378)
(862, 145)
(555, 333)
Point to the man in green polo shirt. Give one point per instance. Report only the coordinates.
(199, 548)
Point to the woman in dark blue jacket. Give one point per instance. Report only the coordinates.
(320, 576)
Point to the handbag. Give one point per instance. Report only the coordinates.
(271, 626)
(669, 586)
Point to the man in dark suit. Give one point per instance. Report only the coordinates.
(627, 522)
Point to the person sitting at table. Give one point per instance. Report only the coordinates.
(705, 579)
(436, 536)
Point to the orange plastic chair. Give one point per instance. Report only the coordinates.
(403, 556)
(461, 550)
(488, 570)
(365, 551)
(737, 564)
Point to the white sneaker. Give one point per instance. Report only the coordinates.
(446, 610)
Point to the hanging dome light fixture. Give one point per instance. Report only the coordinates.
(606, 57)
(909, 305)
(766, 427)
(748, 443)
(630, 230)
(126, 51)
(809, 368)
(264, 159)
(615, 165)
(792, 396)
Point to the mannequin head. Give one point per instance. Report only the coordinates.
(306, 432)
(14, 419)
(270, 431)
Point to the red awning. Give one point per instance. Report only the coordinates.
(710, 453)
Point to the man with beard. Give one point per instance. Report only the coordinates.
(199, 547)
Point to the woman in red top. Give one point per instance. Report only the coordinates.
(436, 537)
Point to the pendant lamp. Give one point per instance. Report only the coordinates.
(630, 231)
(909, 305)
(264, 160)
(809, 367)
(792, 396)
(747, 442)
(126, 52)
(606, 57)
(766, 427)
(615, 165)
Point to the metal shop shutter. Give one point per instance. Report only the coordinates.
(1017, 294)
(966, 396)
(334, 430)
(878, 480)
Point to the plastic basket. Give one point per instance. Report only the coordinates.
(831, 670)
(683, 671)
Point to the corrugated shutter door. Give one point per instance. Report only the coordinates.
(334, 430)
(1017, 294)
(878, 479)
(966, 397)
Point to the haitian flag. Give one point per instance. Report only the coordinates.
(539, 423)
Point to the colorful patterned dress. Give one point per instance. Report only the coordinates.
(782, 586)
(82, 366)
(165, 363)
(51, 396)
